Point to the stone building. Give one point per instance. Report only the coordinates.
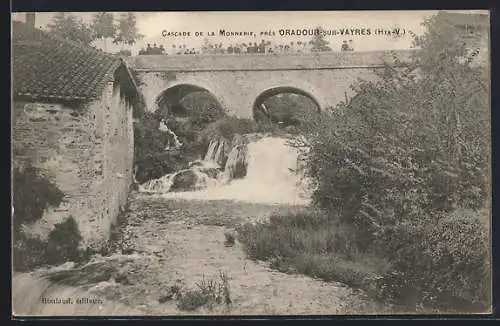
(72, 119)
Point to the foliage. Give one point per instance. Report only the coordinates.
(61, 246)
(202, 109)
(103, 25)
(32, 195)
(227, 127)
(68, 26)
(151, 159)
(63, 242)
(312, 243)
(289, 109)
(405, 165)
(318, 42)
(444, 264)
(127, 32)
(209, 293)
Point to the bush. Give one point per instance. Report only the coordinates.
(312, 243)
(63, 243)
(227, 128)
(151, 159)
(61, 246)
(288, 108)
(32, 195)
(405, 166)
(209, 292)
(202, 109)
(444, 265)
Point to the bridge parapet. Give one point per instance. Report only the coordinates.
(256, 62)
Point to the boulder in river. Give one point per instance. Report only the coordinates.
(185, 180)
(193, 179)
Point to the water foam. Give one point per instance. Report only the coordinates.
(271, 177)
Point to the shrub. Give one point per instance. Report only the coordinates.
(288, 108)
(209, 292)
(151, 159)
(444, 265)
(227, 128)
(61, 246)
(405, 165)
(312, 243)
(202, 109)
(63, 242)
(32, 195)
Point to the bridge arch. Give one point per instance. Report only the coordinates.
(262, 109)
(170, 98)
(286, 81)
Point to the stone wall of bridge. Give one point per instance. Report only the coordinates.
(238, 90)
(237, 80)
(297, 61)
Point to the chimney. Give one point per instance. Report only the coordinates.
(30, 19)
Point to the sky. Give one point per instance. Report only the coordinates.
(152, 24)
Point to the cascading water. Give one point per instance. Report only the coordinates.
(199, 175)
(236, 164)
(164, 128)
(265, 169)
(270, 175)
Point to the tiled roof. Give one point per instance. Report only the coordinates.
(45, 66)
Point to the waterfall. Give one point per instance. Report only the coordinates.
(199, 174)
(164, 128)
(236, 164)
(265, 170)
(162, 184)
(211, 150)
(215, 152)
(270, 176)
(192, 179)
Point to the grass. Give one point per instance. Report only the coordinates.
(311, 243)
(317, 245)
(209, 292)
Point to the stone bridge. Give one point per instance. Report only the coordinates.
(240, 82)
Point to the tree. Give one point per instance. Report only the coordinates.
(103, 27)
(127, 32)
(318, 42)
(70, 27)
(406, 164)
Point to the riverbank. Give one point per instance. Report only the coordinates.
(178, 244)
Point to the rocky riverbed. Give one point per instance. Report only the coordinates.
(168, 244)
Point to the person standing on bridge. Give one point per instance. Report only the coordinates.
(344, 47)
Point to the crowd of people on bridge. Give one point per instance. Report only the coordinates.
(153, 50)
(264, 47)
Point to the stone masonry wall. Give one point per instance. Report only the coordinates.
(86, 151)
(255, 62)
(238, 90)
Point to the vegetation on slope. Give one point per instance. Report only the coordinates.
(402, 173)
(32, 195)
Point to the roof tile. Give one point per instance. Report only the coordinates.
(49, 66)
